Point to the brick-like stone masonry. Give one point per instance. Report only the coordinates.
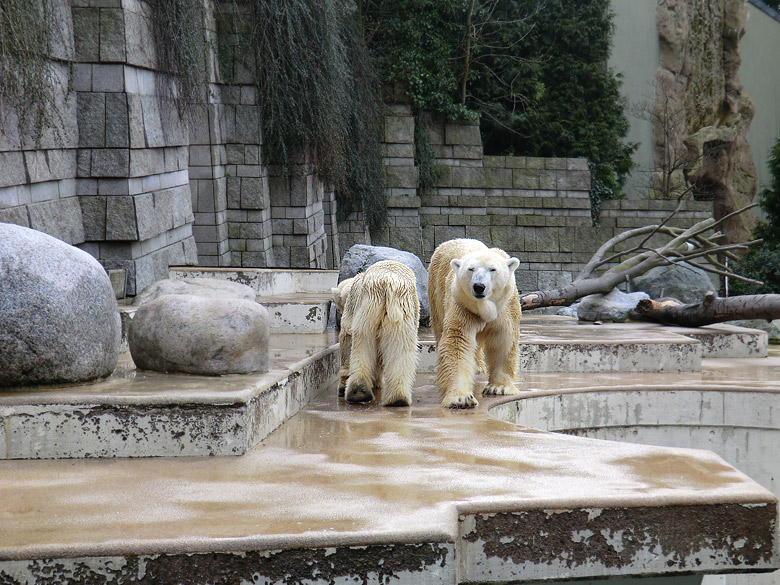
(128, 180)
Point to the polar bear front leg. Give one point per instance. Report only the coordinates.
(501, 349)
(456, 366)
(345, 346)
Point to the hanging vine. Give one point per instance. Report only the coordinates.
(317, 92)
(28, 81)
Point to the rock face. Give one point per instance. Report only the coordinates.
(616, 306)
(202, 287)
(701, 115)
(361, 256)
(200, 335)
(684, 283)
(59, 322)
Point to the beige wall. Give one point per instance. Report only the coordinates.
(635, 55)
(760, 73)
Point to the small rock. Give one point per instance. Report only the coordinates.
(59, 321)
(202, 287)
(617, 306)
(361, 256)
(200, 335)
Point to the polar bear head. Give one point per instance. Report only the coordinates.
(341, 292)
(485, 280)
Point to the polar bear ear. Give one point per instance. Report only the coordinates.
(512, 264)
(455, 264)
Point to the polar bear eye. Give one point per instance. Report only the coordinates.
(471, 269)
(492, 270)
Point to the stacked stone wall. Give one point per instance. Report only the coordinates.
(537, 209)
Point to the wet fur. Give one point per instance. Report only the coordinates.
(464, 326)
(379, 333)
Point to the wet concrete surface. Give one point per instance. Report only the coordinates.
(341, 475)
(345, 474)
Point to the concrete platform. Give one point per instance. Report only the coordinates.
(148, 414)
(554, 344)
(342, 493)
(368, 494)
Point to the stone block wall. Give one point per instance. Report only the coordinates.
(38, 166)
(537, 209)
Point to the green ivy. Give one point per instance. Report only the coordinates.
(178, 28)
(763, 262)
(419, 45)
(554, 95)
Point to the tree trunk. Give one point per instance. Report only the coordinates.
(712, 309)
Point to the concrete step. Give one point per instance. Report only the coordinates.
(555, 344)
(298, 300)
(149, 414)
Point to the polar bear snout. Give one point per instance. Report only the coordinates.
(479, 290)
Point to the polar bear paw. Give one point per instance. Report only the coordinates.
(464, 401)
(359, 392)
(499, 390)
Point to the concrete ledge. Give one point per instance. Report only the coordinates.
(267, 281)
(147, 414)
(414, 495)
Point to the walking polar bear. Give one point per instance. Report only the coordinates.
(380, 316)
(474, 306)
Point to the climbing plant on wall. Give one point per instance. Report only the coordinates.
(318, 94)
(535, 73)
(28, 83)
(763, 262)
(554, 95)
(178, 27)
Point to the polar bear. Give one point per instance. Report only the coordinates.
(474, 306)
(378, 337)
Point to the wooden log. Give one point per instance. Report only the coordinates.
(712, 309)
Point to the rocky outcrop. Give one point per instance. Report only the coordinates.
(701, 115)
(200, 335)
(59, 322)
(361, 256)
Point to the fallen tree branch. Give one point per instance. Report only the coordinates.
(684, 245)
(712, 309)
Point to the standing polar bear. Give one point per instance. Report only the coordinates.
(380, 316)
(474, 306)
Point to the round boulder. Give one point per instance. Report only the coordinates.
(59, 322)
(202, 287)
(616, 306)
(683, 282)
(200, 335)
(361, 256)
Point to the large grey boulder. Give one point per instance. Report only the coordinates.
(202, 287)
(683, 282)
(361, 256)
(616, 306)
(200, 335)
(59, 322)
